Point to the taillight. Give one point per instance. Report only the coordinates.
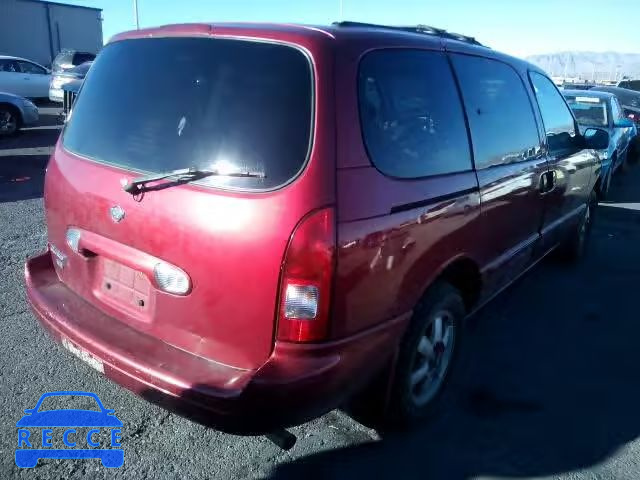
(171, 279)
(305, 285)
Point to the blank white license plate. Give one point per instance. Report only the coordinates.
(83, 355)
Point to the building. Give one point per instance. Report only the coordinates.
(38, 29)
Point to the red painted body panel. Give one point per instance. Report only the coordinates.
(230, 244)
(296, 383)
(386, 262)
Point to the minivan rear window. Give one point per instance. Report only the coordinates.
(159, 104)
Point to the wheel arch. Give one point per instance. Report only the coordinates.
(463, 273)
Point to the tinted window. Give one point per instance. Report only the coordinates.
(169, 103)
(503, 128)
(79, 58)
(9, 66)
(28, 67)
(558, 121)
(411, 116)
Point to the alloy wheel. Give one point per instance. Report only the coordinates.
(8, 122)
(432, 358)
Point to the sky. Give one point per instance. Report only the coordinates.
(517, 27)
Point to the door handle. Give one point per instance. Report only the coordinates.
(547, 182)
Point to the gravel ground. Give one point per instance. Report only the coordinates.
(553, 391)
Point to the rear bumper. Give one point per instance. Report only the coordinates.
(298, 382)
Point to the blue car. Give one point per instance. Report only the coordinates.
(35, 431)
(16, 112)
(602, 110)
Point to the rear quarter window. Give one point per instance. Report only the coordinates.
(172, 103)
(411, 114)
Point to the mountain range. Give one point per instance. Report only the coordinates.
(596, 66)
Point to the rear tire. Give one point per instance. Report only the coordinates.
(9, 121)
(428, 358)
(574, 247)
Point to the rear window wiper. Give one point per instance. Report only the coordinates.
(184, 175)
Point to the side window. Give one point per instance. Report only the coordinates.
(503, 127)
(616, 111)
(28, 67)
(411, 114)
(8, 66)
(559, 123)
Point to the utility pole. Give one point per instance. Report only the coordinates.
(135, 14)
(341, 10)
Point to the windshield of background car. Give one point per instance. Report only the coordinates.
(590, 111)
(153, 105)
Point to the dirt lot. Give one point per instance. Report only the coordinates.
(554, 389)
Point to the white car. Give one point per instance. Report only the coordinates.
(23, 77)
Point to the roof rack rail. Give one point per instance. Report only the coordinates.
(426, 29)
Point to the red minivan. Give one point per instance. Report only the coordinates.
(250, 224)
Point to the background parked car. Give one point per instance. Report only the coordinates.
(602, 110)
(70, 91)
(59, 79)
(23, 77)
(629, 100)
(630, 84)
(67, 59)
(15, 112)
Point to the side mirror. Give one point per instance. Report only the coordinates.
(623, 123)
(596, 138)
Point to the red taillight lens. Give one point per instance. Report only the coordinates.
(305, 286)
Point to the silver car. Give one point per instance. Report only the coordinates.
(16, 112)
(60, 79)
